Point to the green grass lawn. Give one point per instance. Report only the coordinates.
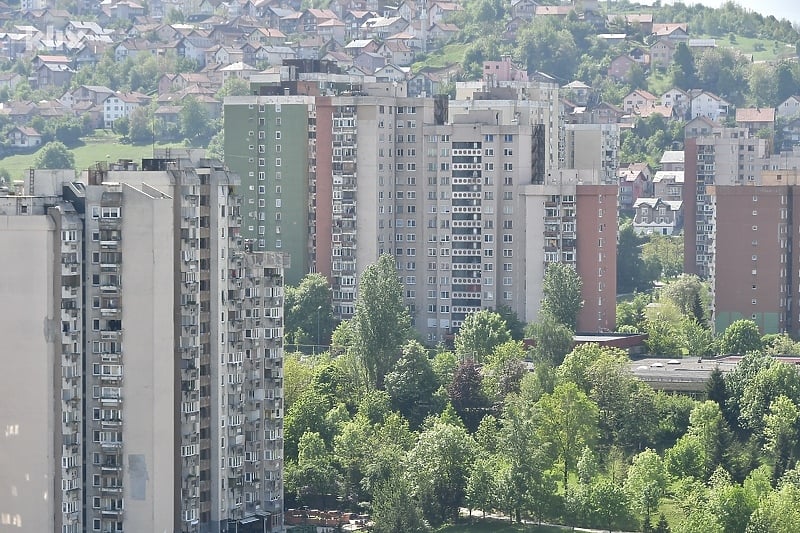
(760, 49)
(496, 526)
(100, 147)
(449, 54)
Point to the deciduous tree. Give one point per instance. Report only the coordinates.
(480, 333)
(561, 291)
(54, 155)
(382, 323)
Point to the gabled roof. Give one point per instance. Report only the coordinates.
(676, 176)
(562, 11)
(672, 156)
(27, 131)
(669, 28)
(750, 114)
(644, 94)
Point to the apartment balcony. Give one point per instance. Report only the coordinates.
(110, 490)
(110, 468)
(108, 512)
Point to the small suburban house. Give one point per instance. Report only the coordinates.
(789, 108)
(24, 137)
(654, 215)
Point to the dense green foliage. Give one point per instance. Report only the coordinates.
(579, 440)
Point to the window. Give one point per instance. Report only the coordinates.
(508, 267)
(277, 136)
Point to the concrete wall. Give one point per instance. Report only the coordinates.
(148, 411)
(30, 336)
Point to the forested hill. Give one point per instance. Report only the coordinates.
(743, 67)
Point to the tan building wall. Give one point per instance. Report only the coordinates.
(30, 331)
(148, 409)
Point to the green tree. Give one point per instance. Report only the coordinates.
(141, 125)
(684, 292)
(663, 254)
(740, 337)
(382, 323)
(297, 378)
(412, 383)
(122, 126)
(54, 155)
(234, 86)
(561, 291)
(480, 334)
(503, 371)
(774, 380)
(438, 467)
(195, 121)
(683, 68)
(313, 473)
(567, 421)
(553, 340)
(632, 272)
(515, 326)
(395, 509)
(481, 490)
(609, 504)
(466, 393)
(309, 311)
(646, 482)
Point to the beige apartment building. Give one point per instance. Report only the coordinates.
(164, 371)
(441, 185)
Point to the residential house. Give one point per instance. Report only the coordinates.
(672, 160)
(668, 185)
(634, 183)
(620, 67)
(24, 137)
(132, 48)
(332, 29)
(678, 100)
(126, 10)
(353, 20)
(369, 61)
(275, 55)
(699, 126)
(382, 27)
(654, 215)
(698, 46)
(441, 11)
(578, 92)
(272, 15)
(429, 81)
(442, 32)
(503, 70)
(239, 70)
(290, 23)
(121, 105)
(638, 100)
(359, 46)
(312, 18)
(267, 36)
(661, 53)
(640, 22)
(523, 9)
(20, 113)
(606, 113)
(709, 105)
(392, 73)
(553, 11)
(673, 31)
(397, 52)
(52, 75)
(664, 110)
(512, 28)
(96, 94)
(789, 108)
(9, 80)
(756, 119)
(341, 59)
(791, 134)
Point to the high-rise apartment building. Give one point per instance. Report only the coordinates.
(441, 185)
(156, 354)
(753, 269)
(721, 156)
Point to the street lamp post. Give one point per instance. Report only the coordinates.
(319, 308)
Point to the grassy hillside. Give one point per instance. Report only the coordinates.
(100, 147)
